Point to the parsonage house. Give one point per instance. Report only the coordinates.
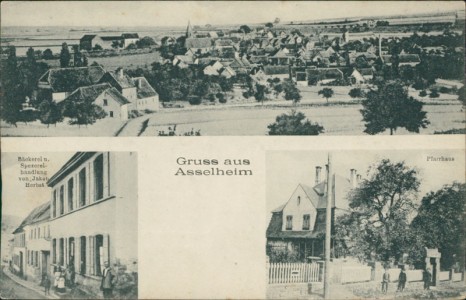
(115, 92)
(296, 231)
(91, 218)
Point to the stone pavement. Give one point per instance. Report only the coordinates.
(29, 284)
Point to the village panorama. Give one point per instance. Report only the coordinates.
(396, 74)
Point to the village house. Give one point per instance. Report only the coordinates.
(105, 96)
(37, 231)
(19, 252)
(136, 90)
(361, 76)
(94, 216)
(403, 60)
(296, 229)
(317, 76)
(89, 41)
(57, 84)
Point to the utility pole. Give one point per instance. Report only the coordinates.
(328, 226)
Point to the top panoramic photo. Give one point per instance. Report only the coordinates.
(237, 68)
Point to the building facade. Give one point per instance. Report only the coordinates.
(94, 216)
(296, 230)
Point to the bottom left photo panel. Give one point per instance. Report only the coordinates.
(69, 225)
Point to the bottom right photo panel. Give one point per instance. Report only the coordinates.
(365, 224)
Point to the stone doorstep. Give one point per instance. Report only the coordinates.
(29, 285)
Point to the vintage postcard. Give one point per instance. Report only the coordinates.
(326, 158)
(238, 68)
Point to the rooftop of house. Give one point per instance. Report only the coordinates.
(403, 58)
(38, 214)
(69, 79)
(130, 35)
(88, 93)
(144, 89)
(276, 70)
(88, 37)
(118, 78)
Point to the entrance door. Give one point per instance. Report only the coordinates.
(44, 267)
(21, 263)
(433, 262)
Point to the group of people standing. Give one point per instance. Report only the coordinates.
(65, 277)
(402, 278)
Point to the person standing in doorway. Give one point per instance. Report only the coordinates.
(385, 281)
(107, 281)
(402, 280)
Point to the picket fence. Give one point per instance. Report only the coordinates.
(294, 272)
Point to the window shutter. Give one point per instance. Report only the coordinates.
(106, 251)
(90, 256)
(91, 197)
(65, 251)
(105, 175)
(77, 254)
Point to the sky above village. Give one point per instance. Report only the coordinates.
(18, 200)
(286, 169)
(171, 13)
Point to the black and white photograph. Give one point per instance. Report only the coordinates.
(69, 225)
(231, 68)
(365, 224)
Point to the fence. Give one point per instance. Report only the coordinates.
(294, 272)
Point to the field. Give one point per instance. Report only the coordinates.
(336, 119)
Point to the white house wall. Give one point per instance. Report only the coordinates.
(151, 103)
(119, 111)
(292, 208)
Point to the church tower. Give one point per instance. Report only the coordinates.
(189, 30)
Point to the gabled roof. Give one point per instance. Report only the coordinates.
(69, 79)
(144, 89)
(38, 214)
(88, 93)
(115, 94)
(111, 38)
(118, 79)
(403, 58)
(88, 37)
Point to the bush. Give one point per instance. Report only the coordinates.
(194, 100)
(221, 98)
(444, 90)
(294, 123)
(356, 93)
(422, 93)
(434, 94)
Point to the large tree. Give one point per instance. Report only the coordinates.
(380, 208)
(294, 123)
(83, 112)
(390, 107)
(65, 56)
(440, 223)
(13, 91)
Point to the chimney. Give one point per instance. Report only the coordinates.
(318, 171)
(358, 179)
(140, 83)
(353, 177)
(326, 178)
(120, 72)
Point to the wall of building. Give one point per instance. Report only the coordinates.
(151, 103)
(130, 94)
(296, 210)
(119, 111)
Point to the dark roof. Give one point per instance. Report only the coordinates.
(88, 93)
(88, 37)
(117, 96)
(118, 79)
(73, 163)
(38, 214)
(130, 35)
(276, 70)
(111, 38)
(144, 89)
(198, 43)
(325, 73)
(69, 79)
